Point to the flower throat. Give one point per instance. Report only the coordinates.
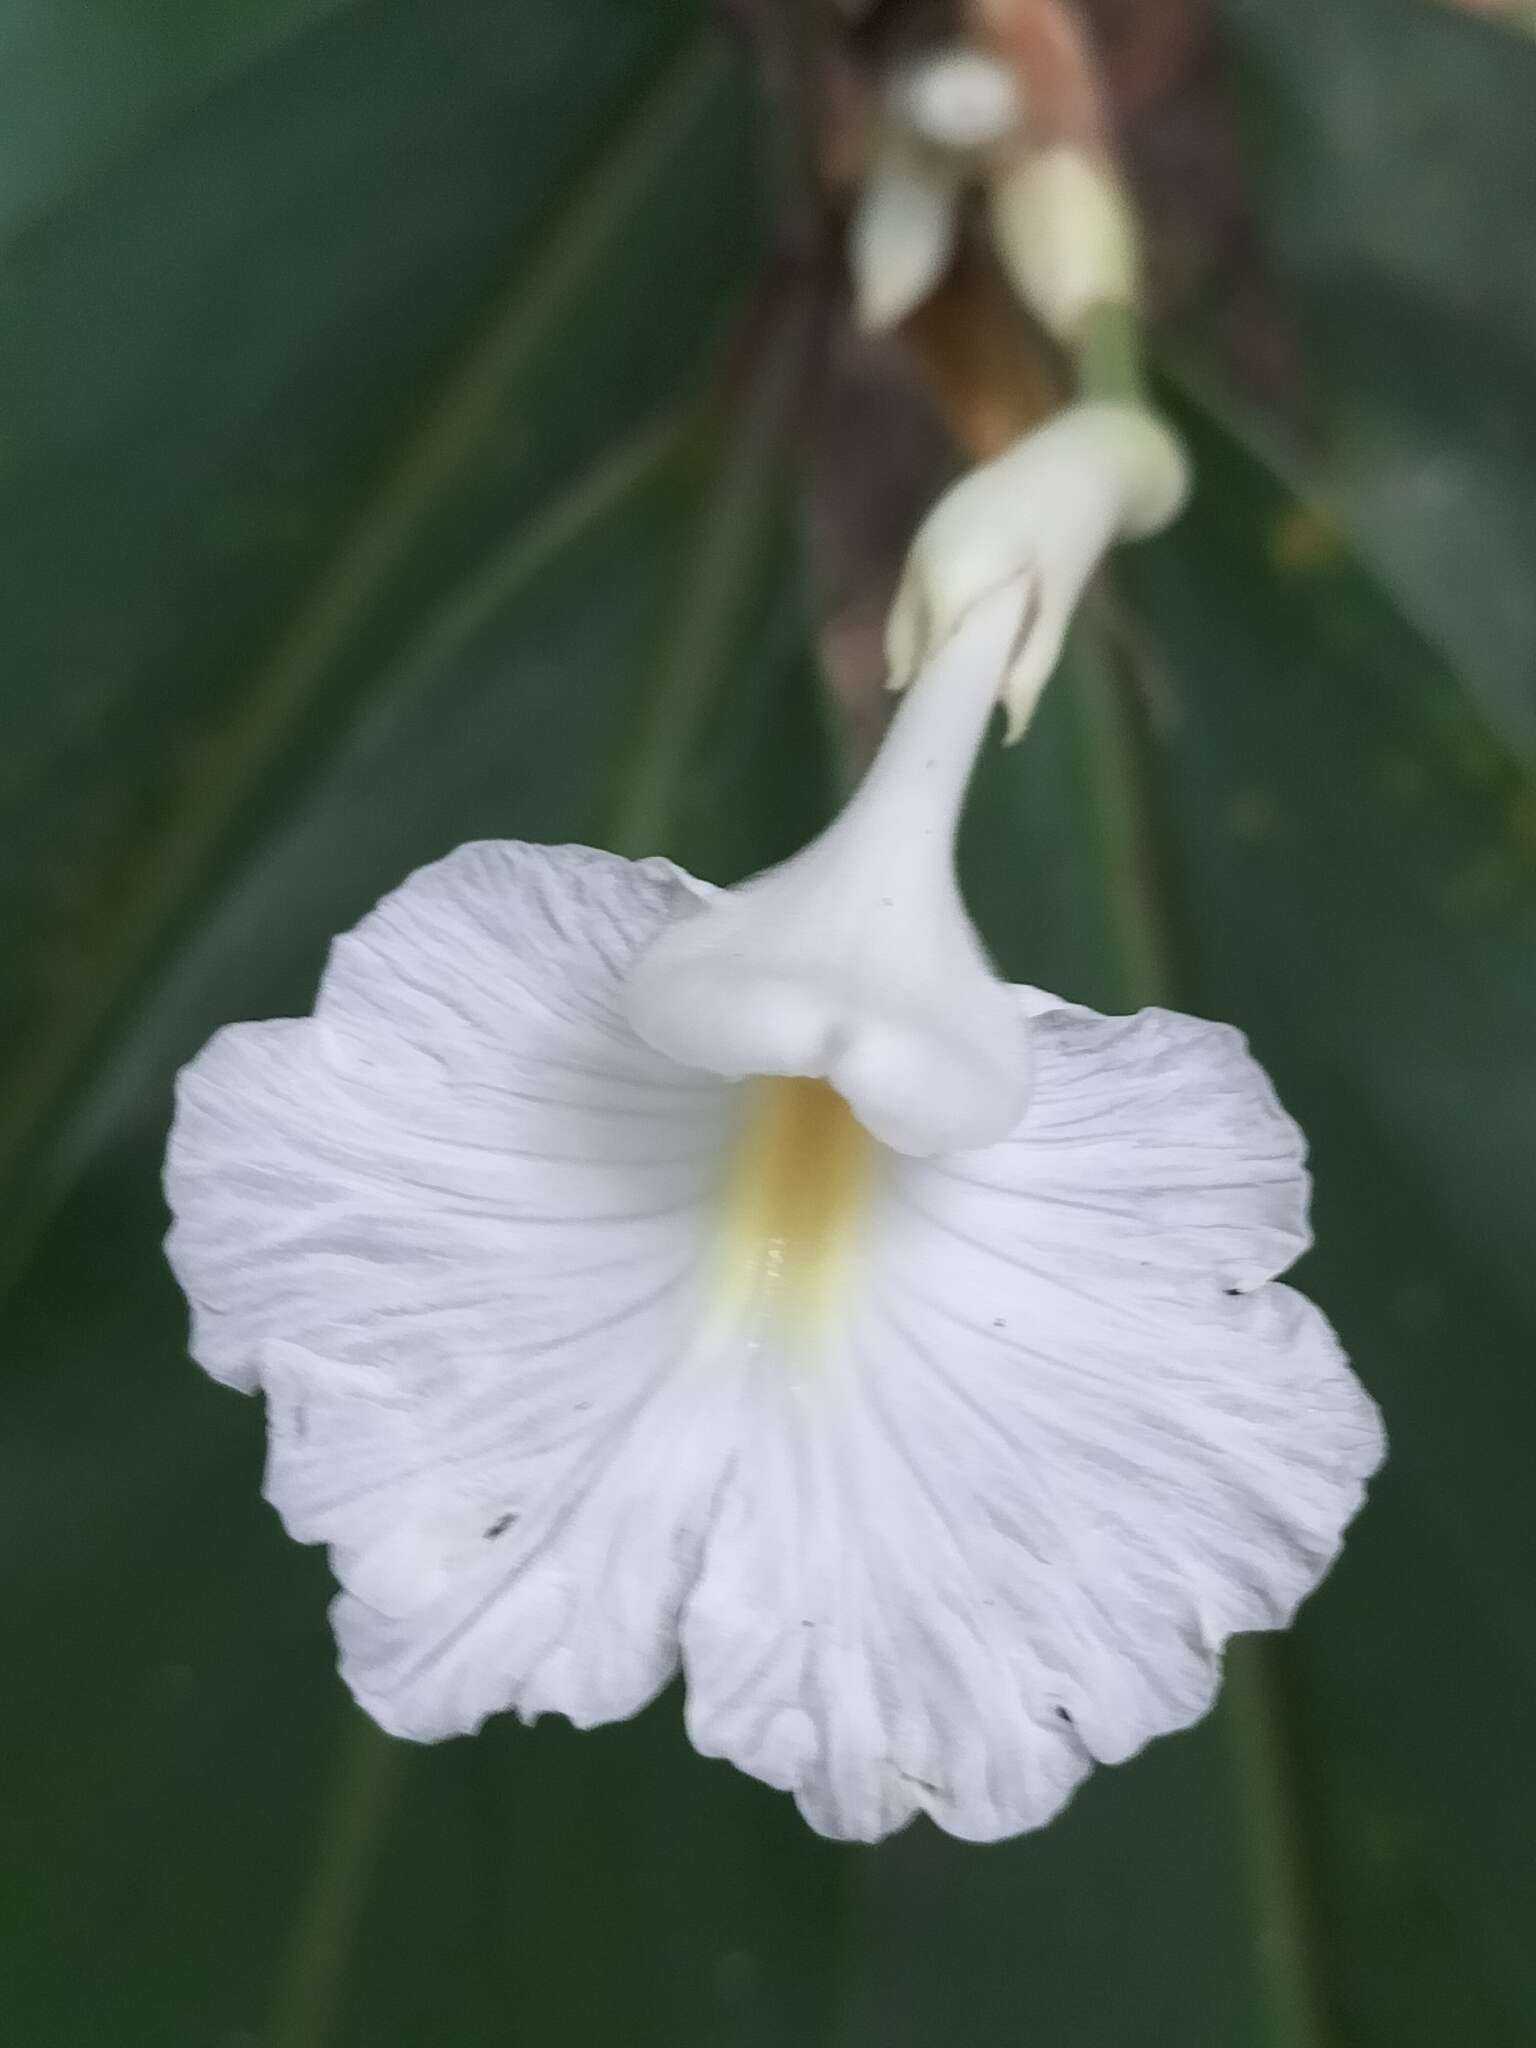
(798, 1182)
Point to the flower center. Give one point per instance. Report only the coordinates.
(797, 1184)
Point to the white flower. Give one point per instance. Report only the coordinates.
(941, 1477)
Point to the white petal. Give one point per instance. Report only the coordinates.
(1052, 1464)
(452, 1226)
(568, 1604)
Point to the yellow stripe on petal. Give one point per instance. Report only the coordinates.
(797, 1186)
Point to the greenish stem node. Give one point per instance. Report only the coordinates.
(1109, 354)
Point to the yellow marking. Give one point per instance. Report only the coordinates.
(795, 1191)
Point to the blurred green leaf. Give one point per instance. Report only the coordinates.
(1353, 873)
(82, 83)
(1393, 145)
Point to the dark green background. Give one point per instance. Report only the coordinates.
(392, 451)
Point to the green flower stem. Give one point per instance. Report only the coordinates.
(1122, 812)
(1289, 1961)
(362, 1798)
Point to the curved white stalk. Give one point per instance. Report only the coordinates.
(855, 961)
(987, 1522)
(1042, 514)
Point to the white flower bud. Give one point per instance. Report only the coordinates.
(902, 233)
(957, 98)
(943, 111)
(1039, 518)
(1065, 235)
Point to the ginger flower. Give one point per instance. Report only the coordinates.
(953, 119)
(643, 1276)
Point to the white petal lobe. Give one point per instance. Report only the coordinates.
(1072, 1440)
(452, 1225)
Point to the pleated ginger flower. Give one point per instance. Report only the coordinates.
(641, 1274)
